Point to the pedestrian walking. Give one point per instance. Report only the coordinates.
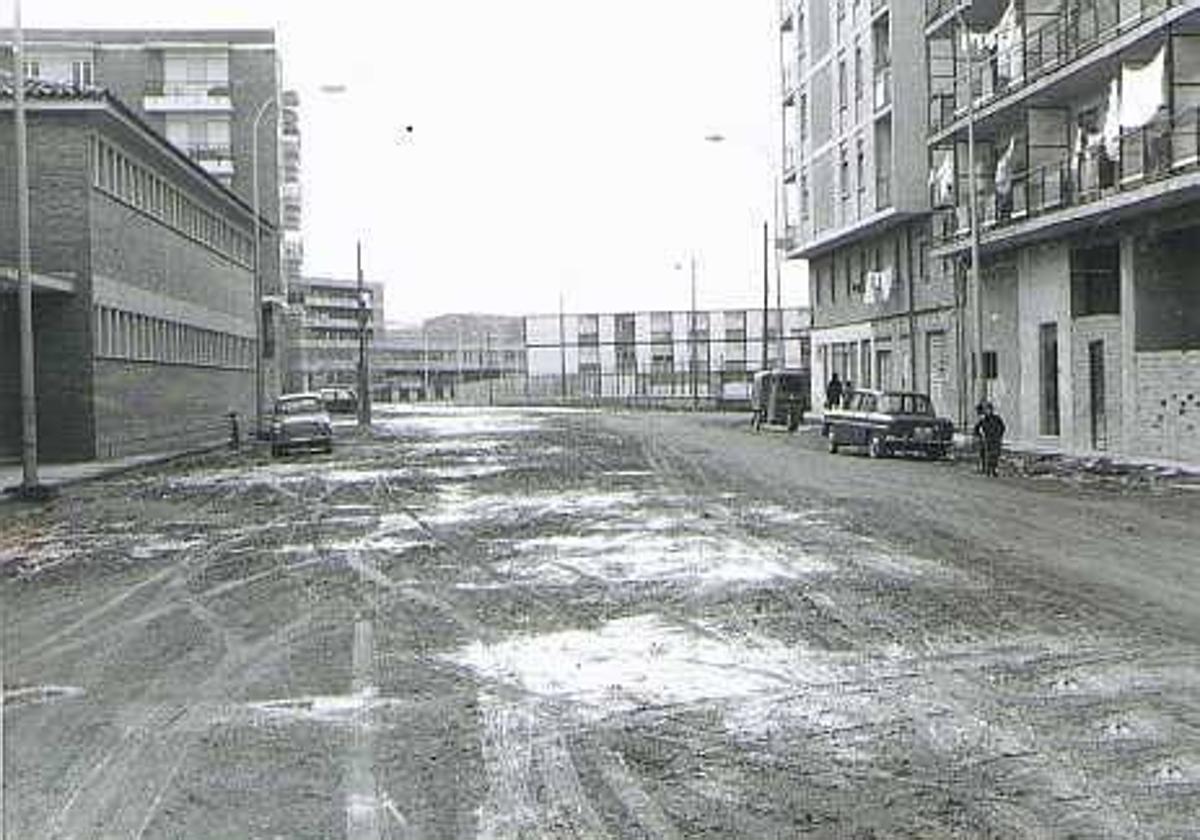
(989, 432)
(833, 392)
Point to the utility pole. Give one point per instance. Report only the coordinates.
(30, 486)
(562, 348)
(487, 364)
(364, 373)
(975, 290)
(778, 250)
(692, 335)
(766, 297)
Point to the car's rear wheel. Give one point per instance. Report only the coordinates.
(875, 447)
(833, 444)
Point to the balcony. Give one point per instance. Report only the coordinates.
(883, 191)
(1150, 155)
(214, 159)
(164, 97)
(789, 162)
(1037, 53)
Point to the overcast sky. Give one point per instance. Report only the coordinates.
(558, 145)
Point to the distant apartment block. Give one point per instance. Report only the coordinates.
(705, 355)
(324, 329)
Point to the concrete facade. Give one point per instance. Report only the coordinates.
(143, 278)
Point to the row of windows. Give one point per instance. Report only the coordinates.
(119, 175)
(128, 335)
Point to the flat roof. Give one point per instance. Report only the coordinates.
(147, 37)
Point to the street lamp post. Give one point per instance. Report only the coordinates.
(364, 371)
(30, 487)
(258, 282)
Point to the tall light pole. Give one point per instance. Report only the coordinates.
(258, 282)
(30, 487)
(364, 371)
(975, 286)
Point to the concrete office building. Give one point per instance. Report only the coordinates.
(143, 269)
(201, 89)
(708, 356)
(323, 339)
(1087, 185)
(857, 199)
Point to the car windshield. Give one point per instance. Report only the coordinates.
(300, 405)
(905, 404)
(793, 384)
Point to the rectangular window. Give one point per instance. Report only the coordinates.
(991, 368)
(81, 73)
(1096, 280)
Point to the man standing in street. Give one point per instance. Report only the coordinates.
(989, 431)
(833, 392)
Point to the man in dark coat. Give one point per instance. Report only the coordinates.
(833, 392)
(989, 430)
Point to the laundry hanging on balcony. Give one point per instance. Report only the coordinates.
(941, 180)
(1110, 132)
(1005, 38)
(1004, 172)
(1142, 90)
(878, 286)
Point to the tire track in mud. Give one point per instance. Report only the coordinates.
(120, 792)
(1012, 741)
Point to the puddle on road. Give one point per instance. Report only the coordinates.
(640, 558)
(37, 694)
(642, 661)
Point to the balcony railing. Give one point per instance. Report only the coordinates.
(187, 90)
(210, 153)
(1064, 39)
(934, 9)
(1153, 152)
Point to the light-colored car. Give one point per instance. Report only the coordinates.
(300, 421)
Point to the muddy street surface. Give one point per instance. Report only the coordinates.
(512, 624)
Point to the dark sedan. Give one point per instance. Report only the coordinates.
(887, 423)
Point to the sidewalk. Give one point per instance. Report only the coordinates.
(54, 476)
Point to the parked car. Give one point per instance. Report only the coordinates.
(339, 400)
(300, 421)
(887, 423)
(780, 397)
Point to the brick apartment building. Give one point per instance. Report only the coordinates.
(1087, 163)
(201, 89)
(143, 282)
(323, 331)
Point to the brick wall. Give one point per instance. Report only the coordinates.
(58, 190)
(147, 407)
(1168, 405)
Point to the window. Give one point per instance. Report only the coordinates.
(990, 366)
(858, 78)
(81, 73)
(1096, 280)
(33, 69)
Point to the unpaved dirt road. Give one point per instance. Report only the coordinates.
(534, 624)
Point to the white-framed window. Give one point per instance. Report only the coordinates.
(81, 72)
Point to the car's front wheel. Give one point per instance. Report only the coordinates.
(833, 444)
